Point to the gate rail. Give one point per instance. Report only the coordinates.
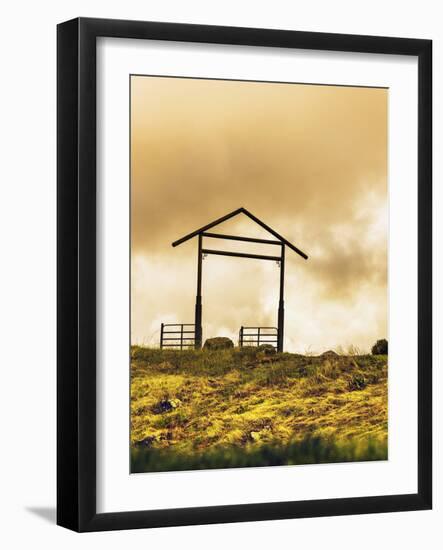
(256, 338)
(179, 341)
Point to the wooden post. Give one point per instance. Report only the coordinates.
(281, 304)
(198, 298)
(240, 343)
(161, 335)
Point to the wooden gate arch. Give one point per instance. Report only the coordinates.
(278, 242)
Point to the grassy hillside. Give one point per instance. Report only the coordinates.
(241, 407)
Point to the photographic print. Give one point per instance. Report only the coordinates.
(259, 234)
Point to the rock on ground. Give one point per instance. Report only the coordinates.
(220, 342)
(380, 347)
(329, 354)
(267, 349)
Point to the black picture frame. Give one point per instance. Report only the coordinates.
(76, 280)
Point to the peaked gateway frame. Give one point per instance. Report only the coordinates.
(280, 241)
(77, 443)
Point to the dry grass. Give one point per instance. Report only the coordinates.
(195, 402)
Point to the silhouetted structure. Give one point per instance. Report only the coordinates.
(181, 340)
(280, 241)
(256, 336)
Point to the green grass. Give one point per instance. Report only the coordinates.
(234, 408)
(307, 451)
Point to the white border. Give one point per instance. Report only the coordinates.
(116, 489)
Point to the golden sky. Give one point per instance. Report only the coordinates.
(310, 161)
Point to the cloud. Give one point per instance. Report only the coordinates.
(311, 161)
